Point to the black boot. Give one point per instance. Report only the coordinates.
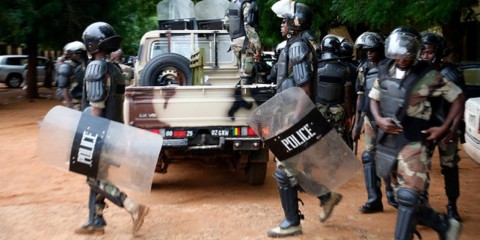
(390, 193)
(290, 226)
(408, 202)
(372, 183)
(452, 189)
(95, 223)
(447, 228)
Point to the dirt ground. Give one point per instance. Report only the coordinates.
(192, 201)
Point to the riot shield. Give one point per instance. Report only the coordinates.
(300, 137)
(211, 9)
(175, 9)
(97, 147)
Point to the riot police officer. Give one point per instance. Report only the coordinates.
(70, 75)
(434, 50)
(334, 89)
(370, 44)
(296, 68)
(400, 104)
(241, 21)
(104, 85)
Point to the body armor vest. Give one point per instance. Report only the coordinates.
(282, 71)
(77, 80)
(285, 66)
(332, 76)
(235, 16)
(394, 96)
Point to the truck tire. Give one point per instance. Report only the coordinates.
(167, 69)
(257, 167)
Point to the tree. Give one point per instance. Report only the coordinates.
(50, 24)
(383, 16)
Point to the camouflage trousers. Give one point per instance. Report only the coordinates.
(245, 59)
(370, 137)
(335, 115)
(448, 152)
(412, 167)
(105, 189)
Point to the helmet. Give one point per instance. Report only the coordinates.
(330, 47)
(369, 40)
(75, 47)
(346, 49)
(304, 16)
(403, 42)
(437, 41)
(298, 15)
(100, 36)
(331, 44)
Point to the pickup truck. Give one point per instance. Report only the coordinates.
(187, 89)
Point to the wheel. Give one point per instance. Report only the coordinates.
(14, 81)
(167, 69)
(257, 167)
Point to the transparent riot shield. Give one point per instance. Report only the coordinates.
(97, 147)
(302, 139)
(211, 9)
(175, 9)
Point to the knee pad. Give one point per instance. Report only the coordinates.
(281, 176)
(407, 197)
(367, 158)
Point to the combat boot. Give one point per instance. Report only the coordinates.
(95, 224)
(452, 211)
(452, 189)
(372, 183)
(447, 228)
(96, 227)
(328, 202)
(290, 226)
(137, 211)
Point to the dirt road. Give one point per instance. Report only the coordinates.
(192, 201)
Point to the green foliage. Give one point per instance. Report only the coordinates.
(385, 15)
(57, 22)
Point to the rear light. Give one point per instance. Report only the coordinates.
(157, 131)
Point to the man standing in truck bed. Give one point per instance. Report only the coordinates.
(241, 21)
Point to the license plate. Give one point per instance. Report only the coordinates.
(220, 132)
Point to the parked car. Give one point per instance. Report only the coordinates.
(13, 67)
(471, 73)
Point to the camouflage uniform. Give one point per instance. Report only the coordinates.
(335, 115)
(245, 57)
(412, 167)
(104, 88)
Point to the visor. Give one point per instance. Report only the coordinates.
(284, 8)
(402, 45)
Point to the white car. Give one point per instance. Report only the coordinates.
(472, 128)
(471, 73)
(12, 69)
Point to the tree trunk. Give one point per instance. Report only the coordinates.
(453, 33)
(31, 78)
